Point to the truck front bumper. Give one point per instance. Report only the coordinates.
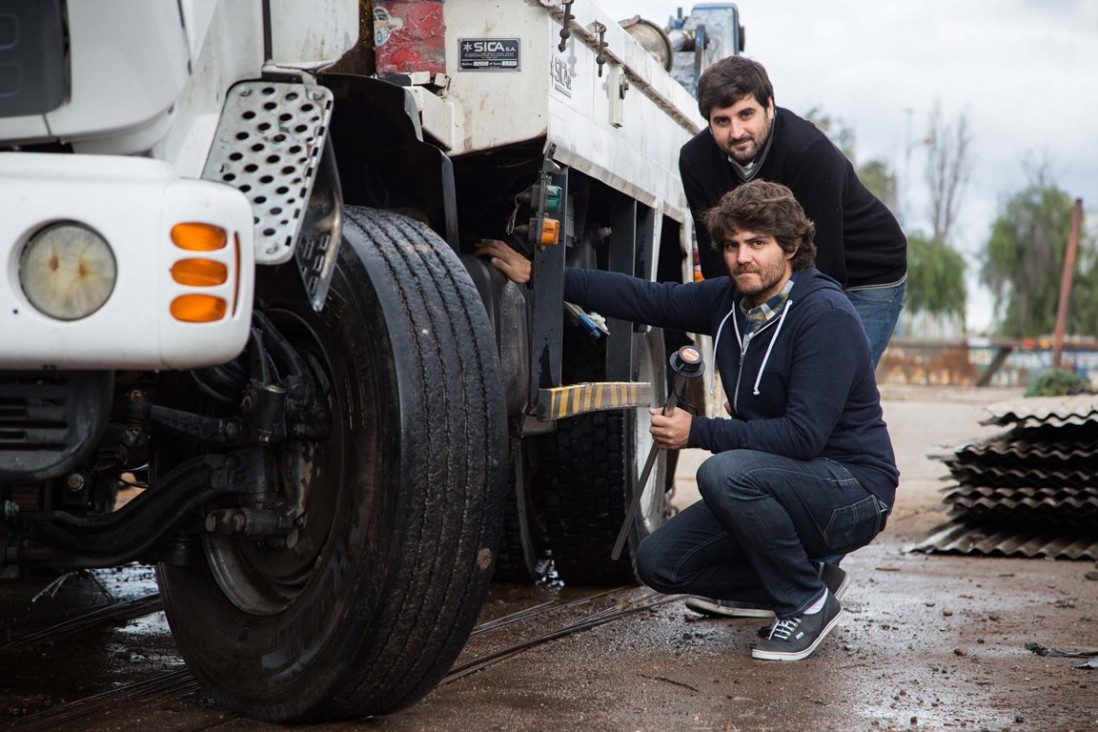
(137, 206)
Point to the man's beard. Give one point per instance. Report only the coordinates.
(767, 277)
(753, 150)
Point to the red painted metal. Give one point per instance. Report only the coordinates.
(409, 36)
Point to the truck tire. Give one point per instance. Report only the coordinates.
(524, 554)
(366, 612)
(588, 467)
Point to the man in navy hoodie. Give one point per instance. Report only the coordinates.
(804, 468)
(748, 138)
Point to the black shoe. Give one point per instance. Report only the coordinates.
(835, 578)
(792, 640)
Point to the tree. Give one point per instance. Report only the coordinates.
(1023, 260)
(835, 129)
(876, 175)
(935, 278)
(936, 271)
(947, 171)
(1083, 309)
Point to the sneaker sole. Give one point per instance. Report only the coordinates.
(797, 656)
(712, 610)
(702, 606)
(839, 591)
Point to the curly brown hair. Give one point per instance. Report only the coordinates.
(766, 208)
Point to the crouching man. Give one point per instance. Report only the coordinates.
(804, 468)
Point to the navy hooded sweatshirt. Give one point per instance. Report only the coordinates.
(803, 386)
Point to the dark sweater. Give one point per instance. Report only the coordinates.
(816, 397)
(859, 241)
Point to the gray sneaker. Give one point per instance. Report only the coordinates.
(836, 579)
(792, 640)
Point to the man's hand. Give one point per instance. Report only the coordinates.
(513, 265)
(670, 431)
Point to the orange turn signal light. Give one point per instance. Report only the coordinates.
(198, 308)
(550, 231)
(200, 272)
(236, 271)
(195, 237)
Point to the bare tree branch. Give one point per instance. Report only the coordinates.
(948, 169)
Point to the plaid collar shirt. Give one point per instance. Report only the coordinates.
(760, 315)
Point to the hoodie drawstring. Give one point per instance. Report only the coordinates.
(770, 347)
(717, 343)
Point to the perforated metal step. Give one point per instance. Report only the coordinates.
(268, 145)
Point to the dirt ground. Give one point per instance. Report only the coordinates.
(926, 642)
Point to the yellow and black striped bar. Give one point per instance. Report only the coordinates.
(565, 401)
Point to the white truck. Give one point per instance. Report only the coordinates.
(236, 239)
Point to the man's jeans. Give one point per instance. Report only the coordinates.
(762, 520)
(879, 309)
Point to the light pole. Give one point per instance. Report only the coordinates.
(904, 199)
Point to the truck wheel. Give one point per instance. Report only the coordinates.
(588, 468)
(365, 612)
(524, 553)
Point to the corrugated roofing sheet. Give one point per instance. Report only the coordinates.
(957, 537)
(1052, 493)
(1021, 448)
(1031, 491)
(1076, 409)
(1022, 475)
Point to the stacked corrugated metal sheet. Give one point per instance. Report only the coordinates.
(1031, 491)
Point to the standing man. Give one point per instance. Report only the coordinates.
(804, 468)
(859, 241)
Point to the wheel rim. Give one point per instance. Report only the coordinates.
(263, 577)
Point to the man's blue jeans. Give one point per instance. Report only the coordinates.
(762, 520)
(879, 308)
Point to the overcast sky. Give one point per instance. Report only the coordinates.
(1025, 72)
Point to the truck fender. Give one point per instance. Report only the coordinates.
(382, 158)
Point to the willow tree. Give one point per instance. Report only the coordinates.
(935, 278)
(936, 270)
(1023, 257)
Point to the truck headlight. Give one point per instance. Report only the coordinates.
(67, 271)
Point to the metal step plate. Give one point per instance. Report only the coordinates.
(268, 144)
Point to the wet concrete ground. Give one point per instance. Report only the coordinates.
(926, 642)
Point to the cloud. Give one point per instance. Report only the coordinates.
(1021, 70)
